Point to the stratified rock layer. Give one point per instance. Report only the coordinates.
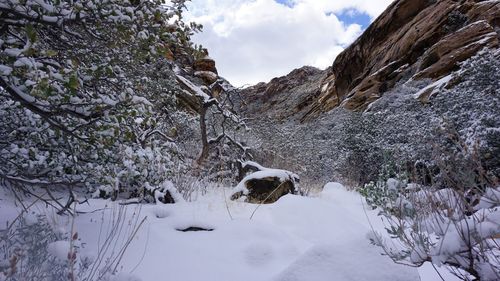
(412, 39)
(205, 69)
(283, 97)
(416, 38)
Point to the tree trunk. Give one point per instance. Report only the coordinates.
(204, 137)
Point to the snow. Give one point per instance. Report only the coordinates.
(26, 62)
(393, 184)
(283, 175)
(343, 262)
(144, 34)
(30, 219)
(254, 164)
(109, 101)
(331, 189)
(323, 237)
(206, 74)
(195, 90)
(60, 250)
(5, 70)
(124, 277)
(13, 52)
(141, 100)
(489, 198)
(434, 87)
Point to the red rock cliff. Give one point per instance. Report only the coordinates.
(415, 38)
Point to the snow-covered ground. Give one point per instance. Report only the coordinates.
(323, 237)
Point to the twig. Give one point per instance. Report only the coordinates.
(263, 201)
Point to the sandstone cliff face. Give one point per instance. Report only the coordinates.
(412, 39)
(284, 97)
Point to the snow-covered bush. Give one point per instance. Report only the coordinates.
(453, 222)
(360, 147)
(353, 147)
(30, 249)
(471, 107)
(35, 246)
(88, 92)
(381, 193)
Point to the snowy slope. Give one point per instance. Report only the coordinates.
(297, 238)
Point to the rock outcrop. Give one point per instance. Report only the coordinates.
(265, 190)
(284, 97)
(266, 185)
(412, 39)
(205, 69)
(203, 74)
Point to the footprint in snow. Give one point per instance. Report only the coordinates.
(259, 254)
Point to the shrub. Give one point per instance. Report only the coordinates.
(25, 252)
(454, 221)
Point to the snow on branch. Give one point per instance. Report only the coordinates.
(253, 165)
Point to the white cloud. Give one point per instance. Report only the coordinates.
(256, 40)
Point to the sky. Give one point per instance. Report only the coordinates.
(256, 40)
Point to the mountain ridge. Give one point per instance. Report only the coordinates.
(410, 40)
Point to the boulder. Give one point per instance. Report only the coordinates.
(208, 77)
(266, 185)
(205, 69)
(205, 64)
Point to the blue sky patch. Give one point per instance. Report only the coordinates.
(352, 16)
(288, 3)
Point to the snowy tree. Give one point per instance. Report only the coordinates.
(87, 92)
(219, 123)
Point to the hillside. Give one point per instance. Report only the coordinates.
(125, 156)
(411, 40)
(421, 65)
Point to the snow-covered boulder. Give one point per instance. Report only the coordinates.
(266, 185)
(205, 69)
(208, 77)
